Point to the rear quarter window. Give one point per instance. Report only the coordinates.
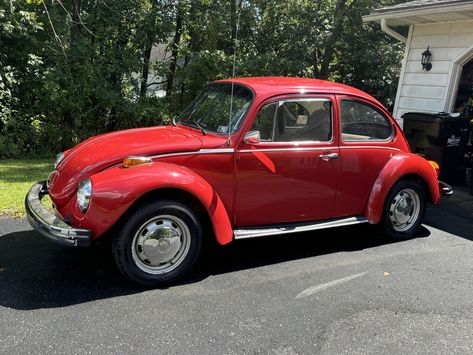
(363, 122)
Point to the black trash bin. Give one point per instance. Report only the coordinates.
(441, 138)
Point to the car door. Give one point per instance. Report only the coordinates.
(367, 141)
(290, 175)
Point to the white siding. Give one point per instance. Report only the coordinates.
(427, 91)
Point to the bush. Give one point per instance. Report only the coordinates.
(42, 136)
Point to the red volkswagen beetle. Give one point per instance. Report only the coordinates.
(249, 157)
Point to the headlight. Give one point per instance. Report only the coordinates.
(84, 194)
(59, 159)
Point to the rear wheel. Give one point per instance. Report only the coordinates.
(404, 209)
(158, 244)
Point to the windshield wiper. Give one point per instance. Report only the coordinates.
(194, 121)
(199, 125)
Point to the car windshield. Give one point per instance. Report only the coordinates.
(210, 111)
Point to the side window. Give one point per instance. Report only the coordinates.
(361, 122)
(264, 121)
(295, 120)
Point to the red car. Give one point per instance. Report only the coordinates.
(248, 158)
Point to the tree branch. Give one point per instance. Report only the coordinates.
(78, 16)
(157, 83)
(54, 31)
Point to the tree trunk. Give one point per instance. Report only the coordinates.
(75, 35)
(115, 75)
(145, 71)
(315, 70)
(149, 42)
(174, 50)
(327, 57)
(193, 40)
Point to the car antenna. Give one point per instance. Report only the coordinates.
(235, 45)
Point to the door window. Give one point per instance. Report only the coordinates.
(295, 120)
(361, 122)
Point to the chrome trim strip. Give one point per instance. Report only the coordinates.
(216, 151)
(201, 151)
(299, 99)
(171, 154)
(295, 149)
(298, 149)
(296, 228)
(369, 147)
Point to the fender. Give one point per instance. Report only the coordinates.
(400, 165)
(116, 189)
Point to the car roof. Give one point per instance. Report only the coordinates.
(273, 85)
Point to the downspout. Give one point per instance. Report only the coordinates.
(388, 30)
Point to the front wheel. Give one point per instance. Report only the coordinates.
(404, 210)
(158, 244)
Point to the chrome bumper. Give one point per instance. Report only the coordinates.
(48, 224)
(445, 189)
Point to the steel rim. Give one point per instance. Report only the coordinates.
(161, 244)
(404, 210)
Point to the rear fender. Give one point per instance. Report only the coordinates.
(116, 189)
(396, 168)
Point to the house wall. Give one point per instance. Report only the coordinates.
(430, 91)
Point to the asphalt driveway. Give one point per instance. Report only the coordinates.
(336, 291)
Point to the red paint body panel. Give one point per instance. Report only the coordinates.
(361, 163)
(285, 186)
(285, 182)
(102, 151)
(116, 189)
(398, 166)
(217, 169)
(239, 184)
(359, 168)
(266, 87)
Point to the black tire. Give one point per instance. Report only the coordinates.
(125, 250)
(388, 227)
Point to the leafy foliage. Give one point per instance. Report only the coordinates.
(70, 69)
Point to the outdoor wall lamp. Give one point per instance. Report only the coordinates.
(426, 65)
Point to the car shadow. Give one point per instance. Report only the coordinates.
(34, 273)
(252, 253)
(454, 215)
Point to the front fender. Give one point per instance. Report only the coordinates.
(116, 189)
(400, 165)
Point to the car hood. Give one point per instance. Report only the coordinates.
(100, 152)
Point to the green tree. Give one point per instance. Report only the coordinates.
(70, 69)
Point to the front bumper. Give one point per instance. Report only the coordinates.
(48, 224)
(445, 189)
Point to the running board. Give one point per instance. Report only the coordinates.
(254, 232)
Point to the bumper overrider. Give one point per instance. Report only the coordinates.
(445, 189)
(50, 226)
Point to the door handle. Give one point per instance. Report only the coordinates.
(328, 156)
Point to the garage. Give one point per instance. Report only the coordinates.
(436, 76)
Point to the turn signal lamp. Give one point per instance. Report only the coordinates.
(436, 166)
(130, 162)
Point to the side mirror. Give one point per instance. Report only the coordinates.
(252, 137)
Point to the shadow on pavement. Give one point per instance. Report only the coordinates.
(251, 253)
(34, 273)
(454, 215)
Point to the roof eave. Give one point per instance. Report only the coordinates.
(430, 10)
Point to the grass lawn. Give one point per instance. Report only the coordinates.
(16, 178)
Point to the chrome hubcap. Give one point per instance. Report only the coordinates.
(404, 210)
(161, 244)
